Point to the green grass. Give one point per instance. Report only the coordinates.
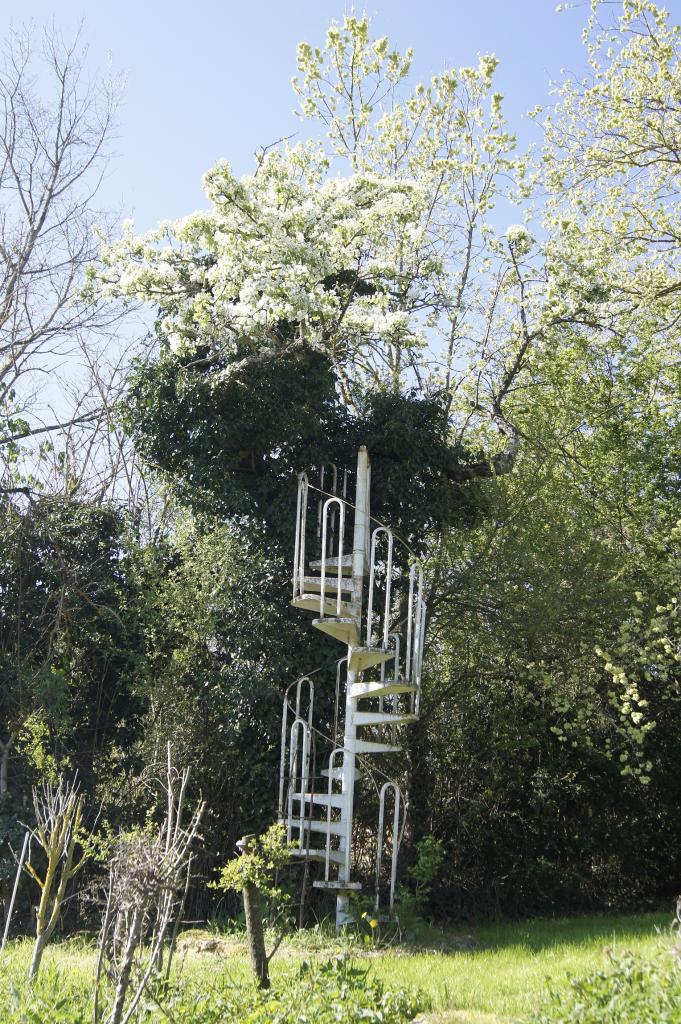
(506, 977)
(503, 979)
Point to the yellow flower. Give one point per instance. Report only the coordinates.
(364, 915)
(373, 922)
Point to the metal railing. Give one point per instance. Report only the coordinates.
(330, 505)
(374, 563)
(301, 530)
(289, 741)
(335, 753)
(397, 796)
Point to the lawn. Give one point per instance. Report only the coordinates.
(506, 976)
(500, 980)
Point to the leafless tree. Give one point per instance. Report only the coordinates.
(59, 833)
(53, 153)
(148, 881)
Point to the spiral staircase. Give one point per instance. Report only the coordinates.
(341, 554)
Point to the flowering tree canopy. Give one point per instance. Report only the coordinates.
(380, 247)
(374, 248)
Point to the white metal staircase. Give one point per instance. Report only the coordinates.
(382, 669)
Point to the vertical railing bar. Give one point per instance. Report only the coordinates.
(419, 599)
(304, 769)
(299, 561)
(396, 670)
(320, 502)
(410, 614)
(370, 598)
(395, 851)
(332, 764)
(388, 589)
(334, 490)
(422, 630)
(397, 798)
(282, 761)
(414, 666)
(341, 540)
(325, 517)
(322, 585)
(335, 713)
(292, 762)
(379, 843)
(303, 535)
(293, 748)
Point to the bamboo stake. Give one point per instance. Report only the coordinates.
(14, 891)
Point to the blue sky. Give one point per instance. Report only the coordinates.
(207, 79)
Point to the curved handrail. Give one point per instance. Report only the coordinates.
(331, 503)
(298, 683)
(332, 764)
(379, 841)
(301, 526)
(299, 725)
(372, 585)
(415, 596)
(334, 490)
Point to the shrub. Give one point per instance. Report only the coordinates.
(631, 990)
(334, 992)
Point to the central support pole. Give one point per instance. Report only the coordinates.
(359, 554)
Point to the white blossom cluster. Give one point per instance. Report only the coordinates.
(268, 250)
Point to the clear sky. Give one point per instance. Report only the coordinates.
(211, 79)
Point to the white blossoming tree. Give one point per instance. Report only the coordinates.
(375, 248)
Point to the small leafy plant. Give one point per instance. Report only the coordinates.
(630, 990)
(334, 992)
(253, 873)
(410, 903)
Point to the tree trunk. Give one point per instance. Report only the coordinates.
(4, 761)
(126, 968)
(256, 935)
(38, 950)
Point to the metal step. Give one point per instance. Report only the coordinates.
(314, 853)
(336, 828)
(312, 603)
(382, 718)
(337, 774)
(362, 658)
(335, 799)
(381, 688)
(314, 584)
(344, 629)
(337, 886)
(332, 565)
(370, 747)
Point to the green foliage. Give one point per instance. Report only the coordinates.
(234, 446)
(632, 990)
(68, 650)
(336, 991)
(411, 903)
(429, 857)
(416, 468)
(54, 998)
(258, 863)
(333, 992)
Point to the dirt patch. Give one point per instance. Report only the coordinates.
(208, 945)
